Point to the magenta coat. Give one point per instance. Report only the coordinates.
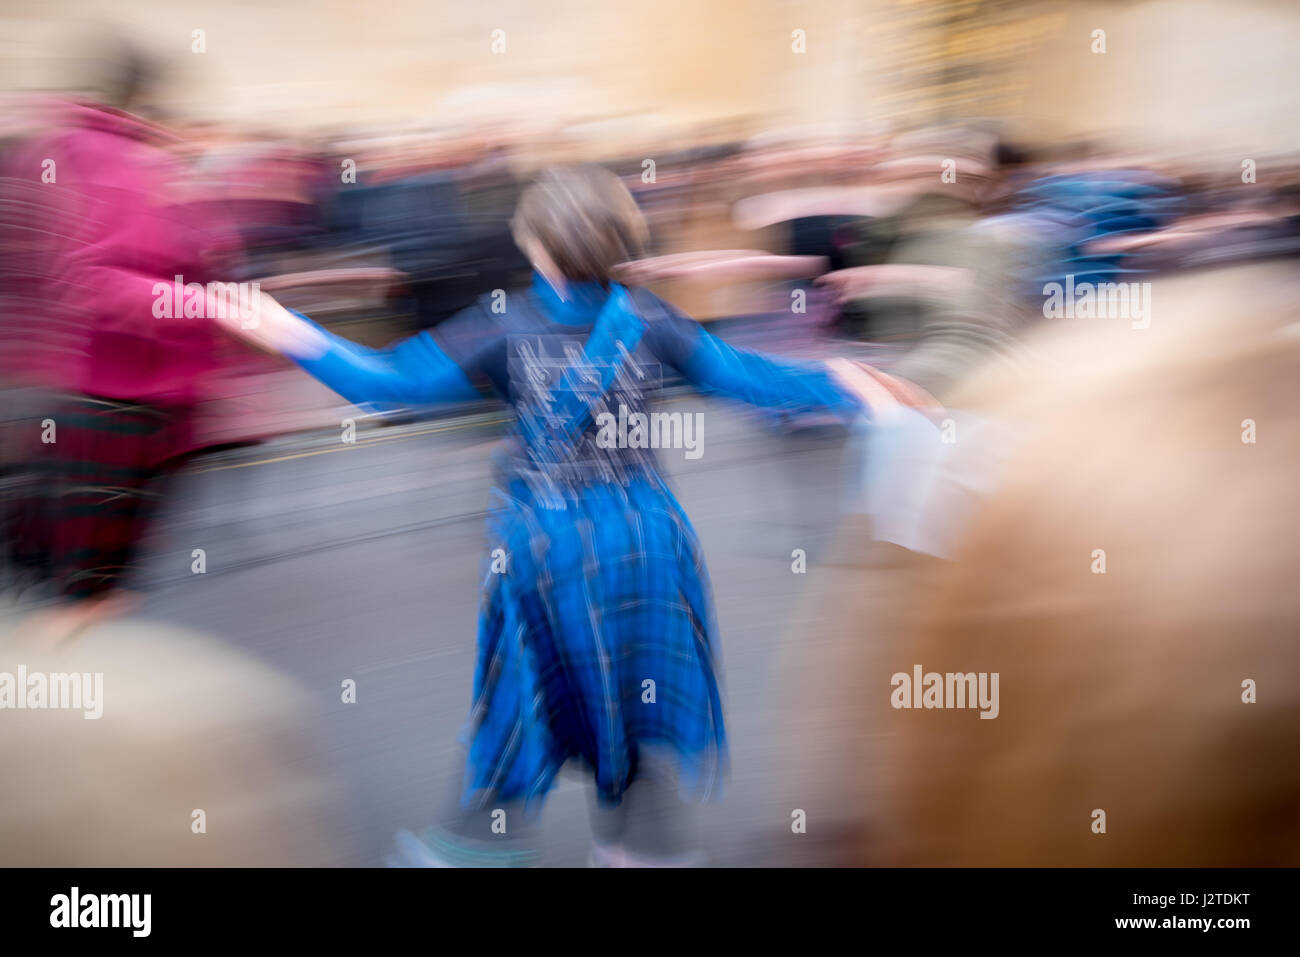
(96, 213)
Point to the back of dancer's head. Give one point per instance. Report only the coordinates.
(580, 221)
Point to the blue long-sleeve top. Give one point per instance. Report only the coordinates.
(506, 338)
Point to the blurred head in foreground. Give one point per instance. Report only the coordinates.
(1153, 697)
(178, 752)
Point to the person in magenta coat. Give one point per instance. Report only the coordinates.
(96, 226)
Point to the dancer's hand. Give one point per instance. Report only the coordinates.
(885, 395)
(270, 326)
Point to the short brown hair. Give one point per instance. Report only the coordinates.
(584, 218)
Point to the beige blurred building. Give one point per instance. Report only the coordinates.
(1189, 75)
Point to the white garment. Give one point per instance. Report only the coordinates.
(921, 481)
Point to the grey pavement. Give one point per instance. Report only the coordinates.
(330, 561)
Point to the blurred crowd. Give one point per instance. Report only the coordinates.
(403, 229)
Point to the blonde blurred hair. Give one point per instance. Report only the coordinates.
(1120, 692)
(187, 724)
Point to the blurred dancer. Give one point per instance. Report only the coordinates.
(91, 224)
(596, 634)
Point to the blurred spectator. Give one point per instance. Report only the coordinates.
(199, 756)
(93, 218)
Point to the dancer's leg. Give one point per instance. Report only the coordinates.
(497, 834)
(651, 827)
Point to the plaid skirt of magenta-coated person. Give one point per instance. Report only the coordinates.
(91, 487)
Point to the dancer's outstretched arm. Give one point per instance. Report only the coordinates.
(839, 387)
(416, 371)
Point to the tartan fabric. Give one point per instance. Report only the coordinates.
(603, 591)
(89, 495)
(596, 639)
(604, 588)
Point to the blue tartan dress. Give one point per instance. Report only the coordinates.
(596, 634)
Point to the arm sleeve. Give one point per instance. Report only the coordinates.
(780, 385)
(415, 371)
